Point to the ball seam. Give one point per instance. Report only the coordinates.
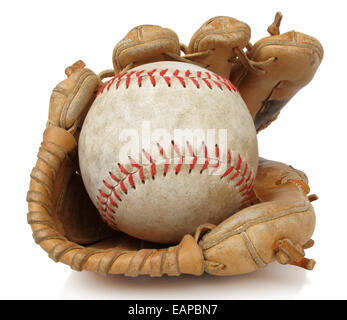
(182, 77)
(107, 202)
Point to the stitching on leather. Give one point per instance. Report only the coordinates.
(128, 44)
(252, 250)
(315, 47)
(43, 184)
(197, 78)
(38, 200)
(60, 249)
(108, 202)
(47, 144)
(61, 91)
(132, 44)
(104, 270)
(71, 98)
(137, 262)
(46, 182)
(83, 257)
(226, 32)
(293, 43)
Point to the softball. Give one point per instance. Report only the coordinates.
(166, 147)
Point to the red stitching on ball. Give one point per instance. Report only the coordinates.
(206, 77)
(106, 203)
(207, 160)
(113, 202)
(240, 182)
(103, 194)
(134, 163)
(195, 82)
(167, 160)
(218, 158)
(119, 79)
(249, 176)
(107, 185)
(128, 79)
(107, 214)
(151, 77)
(139, 77)
(248, 189)
(131, 180)
(109, 210)
(190, 149)
(109, 221)
(142, 176)
(207, 83)
(101, 201)
(218, 84)
(227, 172)
(239, 163)
(244, 188)
(153, 165)
(122, 169)
(192, 154)
(229, 157)
(113, 177)
(109, 83)
(167, 79)
(116, 194)
(235, 175)
(180, 160)
(192, 165)
(181, 79)
(217, 76)
(123, 187)
(245, 171)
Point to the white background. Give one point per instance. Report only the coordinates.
(40, 38)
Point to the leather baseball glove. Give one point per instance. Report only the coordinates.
(277, 221)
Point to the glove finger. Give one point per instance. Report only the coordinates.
(71, 98)
(144, 44)
(218, 37)
(295, 60)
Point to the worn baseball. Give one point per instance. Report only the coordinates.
(166, 147)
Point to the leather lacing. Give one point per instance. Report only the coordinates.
(239, 55)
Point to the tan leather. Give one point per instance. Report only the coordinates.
(298, 57)
(269, 74)
(102, 257)
(144, 44)
(69, 103)
(243, 243)
(220, 35)
(74, 210)
(71, 97)
(276, 223)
